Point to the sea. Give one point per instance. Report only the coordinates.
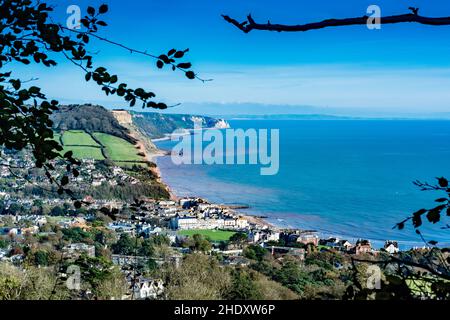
(349, 179)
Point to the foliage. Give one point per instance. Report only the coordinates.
(239, 238)
(243, 286)
(28, 34)
(197, 242)
(199, 277)
(435, 214)
(255, 252)
(76, 235)
(30, 284)
(3, 244)
(125, 245)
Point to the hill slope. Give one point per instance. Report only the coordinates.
(89, 118)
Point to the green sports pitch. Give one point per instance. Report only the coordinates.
(213, 235)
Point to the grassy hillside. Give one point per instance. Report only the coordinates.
(78, 138)
(118, 149)
(89, 118)
(100, 146)
(85, 152)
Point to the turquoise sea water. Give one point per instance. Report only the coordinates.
(346, 178)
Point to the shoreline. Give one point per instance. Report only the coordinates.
(263, 223)
(252, 219)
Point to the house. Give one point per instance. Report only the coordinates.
(3, 253)
(391, 246)
(254, 236)
(122, 227)
(241, 223)
(330, 242)
(125, 261)
(236, 261)
(362, 246)
(344, 245)
(184, 223)
(335, 243)
(308, 238)
(187, 203)
(143, 288)
(10, 231)
(74, 250)
(30, 230)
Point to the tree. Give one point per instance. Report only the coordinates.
(238, 238)
(76, 235)
(250, 24)
(30, 284)
(41, 258)
(30, 35)
(199, 277)
(57, 211)
(255, 252)
(243, 286)
(125, 245)
(114, 286)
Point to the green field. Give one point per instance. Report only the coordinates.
(118, 149)
(85, 152)
(85, 147)
(214, 235)
(78, 138)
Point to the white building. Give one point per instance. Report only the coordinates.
(391, 246)
(147, 289)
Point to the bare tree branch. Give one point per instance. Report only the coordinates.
(250, 24)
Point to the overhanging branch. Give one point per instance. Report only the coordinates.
(250, 24)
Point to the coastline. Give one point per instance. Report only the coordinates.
(262, 222)
(255, 217)
(252, 219)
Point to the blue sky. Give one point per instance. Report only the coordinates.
(403, 68)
